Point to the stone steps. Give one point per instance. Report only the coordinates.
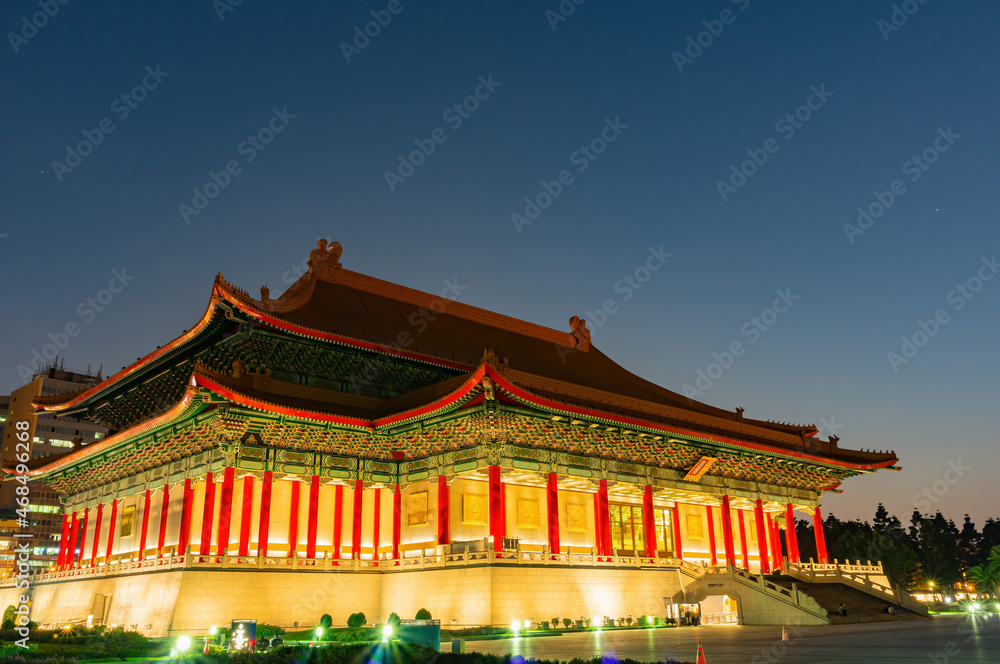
(861, 607)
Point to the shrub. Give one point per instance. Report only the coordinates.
(567, 621)
(393, 619)
(265, 631)
(8, 623)
(423, 614)
(356, 620)
(360, 635)
(555, 623)
(119, 643)
(326, 621)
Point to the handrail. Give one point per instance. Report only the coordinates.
(571, 557)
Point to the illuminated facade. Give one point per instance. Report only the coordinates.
(367, 440)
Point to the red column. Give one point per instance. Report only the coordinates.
(338, 520)
(264, 529)
(163, 520)
(293, 520)
(375, 523)
(503, 510)
(71, 547)
(208, 515)
(496, 509)
(97, 535)
(145, 526)
(678, 549)
(820, 536)
(762, 536)
(246, 515)
(552, 509)
(602, 492)
(83, 534)
(226, 511)
(647, 521)
(727, 532)
(63, 542)
(790, 537)
(772, 531)
(359, 497)
(598, 535)
(743, 540)
(711, 535)
(397, 513)
(187, 511)
(112, 526)
(444, 525)
(313, 517)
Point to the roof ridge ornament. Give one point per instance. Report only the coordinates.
(578, 328)
(491, 358)
(323, 261)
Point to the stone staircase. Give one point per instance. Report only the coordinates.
(861, 607)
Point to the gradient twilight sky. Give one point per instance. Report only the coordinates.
(824, 360)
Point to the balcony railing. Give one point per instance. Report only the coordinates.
(466, 558)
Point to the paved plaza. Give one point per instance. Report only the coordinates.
(944, 639)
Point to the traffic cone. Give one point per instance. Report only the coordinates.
(784, 633)
(701, 655)
(205, 651)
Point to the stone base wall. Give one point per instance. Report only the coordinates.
(190, 601)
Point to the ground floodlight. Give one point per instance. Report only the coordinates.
(213, 630)
(386, 631)
(527, 624)
(183, 643)
(319, 631)
(515, 626)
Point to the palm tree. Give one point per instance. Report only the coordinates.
(986, 577)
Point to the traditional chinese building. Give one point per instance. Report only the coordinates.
(358, 445)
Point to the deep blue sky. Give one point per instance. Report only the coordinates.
(824, 359)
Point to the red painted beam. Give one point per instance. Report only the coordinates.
(552, 505)
(264, 529)
(246, 516)
(313, 517)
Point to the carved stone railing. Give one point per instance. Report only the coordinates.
(191, 560)
(759, 582)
